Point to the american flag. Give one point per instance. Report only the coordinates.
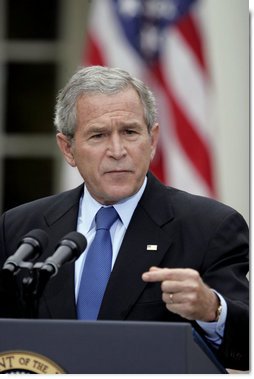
(162, 43)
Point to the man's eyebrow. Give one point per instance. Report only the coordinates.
(97, 128)
(131, 124)
(101, 128)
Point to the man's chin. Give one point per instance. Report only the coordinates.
(118, 194)
(118, 176)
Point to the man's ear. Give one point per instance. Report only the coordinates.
(154, 139)
(65, 146)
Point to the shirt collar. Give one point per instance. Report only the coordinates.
(89, 207)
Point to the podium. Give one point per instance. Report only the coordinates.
(102, 347)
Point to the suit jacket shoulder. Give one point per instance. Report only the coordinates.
(47, 213)
(164, 203)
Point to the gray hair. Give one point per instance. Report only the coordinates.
(104, 80)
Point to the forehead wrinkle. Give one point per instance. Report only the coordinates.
(114, 120)
(90, 110)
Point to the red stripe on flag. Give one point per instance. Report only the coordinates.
(93, 55)
(189, 31)
(195, 148)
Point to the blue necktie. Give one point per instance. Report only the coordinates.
(97, 267)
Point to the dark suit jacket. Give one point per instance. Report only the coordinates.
(190, 232)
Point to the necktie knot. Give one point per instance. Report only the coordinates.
(105, 218)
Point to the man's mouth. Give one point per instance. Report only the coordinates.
(123, 171)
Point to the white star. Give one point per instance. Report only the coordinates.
(160, 9)
(130, 8)
(149, 40)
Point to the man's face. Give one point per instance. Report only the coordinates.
(112, 148)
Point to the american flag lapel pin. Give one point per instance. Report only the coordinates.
(151, 247)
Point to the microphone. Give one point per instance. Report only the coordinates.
(68, 249)
(30, 247)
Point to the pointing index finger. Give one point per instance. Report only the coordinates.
(156, 274)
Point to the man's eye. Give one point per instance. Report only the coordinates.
(130, 131)
(97, 136)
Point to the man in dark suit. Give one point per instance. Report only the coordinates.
(175, 256)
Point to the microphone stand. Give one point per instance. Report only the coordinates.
(32, 287)
(29, 290)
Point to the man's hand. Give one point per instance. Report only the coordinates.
(185, 293)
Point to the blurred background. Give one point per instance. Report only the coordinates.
(194, 54)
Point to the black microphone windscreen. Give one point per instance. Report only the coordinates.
(29, 248)
(39, 235)
(78, 239)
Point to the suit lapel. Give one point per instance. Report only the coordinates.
(152, 224)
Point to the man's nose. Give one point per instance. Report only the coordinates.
(116, 148)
